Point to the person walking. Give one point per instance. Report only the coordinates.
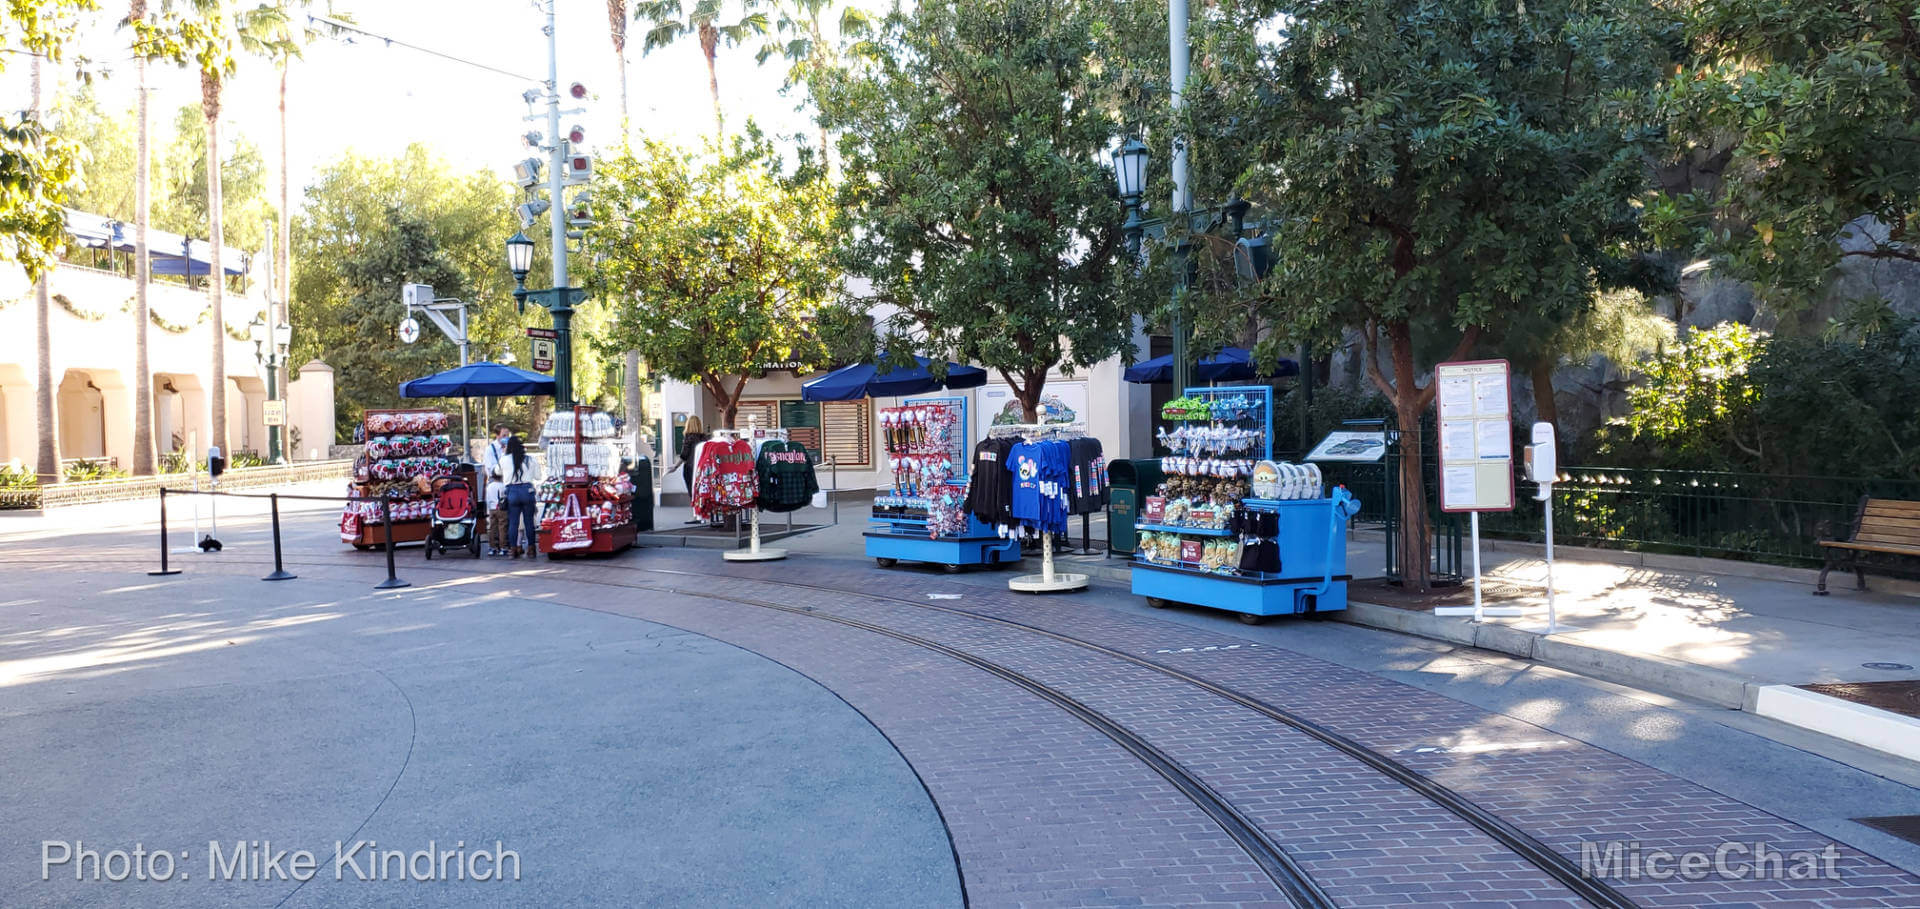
(690, 445)
(520, 472)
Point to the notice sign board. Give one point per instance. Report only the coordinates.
(273, 413)
(1476, 436)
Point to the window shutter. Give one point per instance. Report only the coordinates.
(845, 432)
(767, 412)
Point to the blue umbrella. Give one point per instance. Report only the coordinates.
(865, 380)
(478, 380)
(1229, 363)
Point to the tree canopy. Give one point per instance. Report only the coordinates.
(1429, 169)
(712, 265)
(983, 210)
(1807, 114)
(37, 167)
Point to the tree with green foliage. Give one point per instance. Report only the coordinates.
(712, 265)
(367, 226)
(1428, 169)
(983, 210)
(1729, 398)
(1815, 107)
(814, 42)
(37, 168)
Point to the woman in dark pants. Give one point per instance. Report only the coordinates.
(521, 473)
(690, 439)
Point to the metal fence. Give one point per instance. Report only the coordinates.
(1754, 517)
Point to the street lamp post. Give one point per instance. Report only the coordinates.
(270, 351)
(1130, 171)
(559, 301)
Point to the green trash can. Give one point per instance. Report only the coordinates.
(641, 473)
(1129, 481)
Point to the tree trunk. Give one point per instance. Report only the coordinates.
(216, 272)
(1415, 573)
(537, 408)
(283, 254)
(636, 414)
(143, 448)
(1543, 402)
(47, 452)
(710, 47)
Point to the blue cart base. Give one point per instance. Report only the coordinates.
(954, 552)
(1253, 598)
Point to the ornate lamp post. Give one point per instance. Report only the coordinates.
(270, 346)
(1130, 171)
(559, 302)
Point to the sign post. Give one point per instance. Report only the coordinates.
(1476, 455)
(273, 413)
(1543, 467)
(543, 340)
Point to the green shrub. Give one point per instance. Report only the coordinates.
(83, 471)
(15, 476)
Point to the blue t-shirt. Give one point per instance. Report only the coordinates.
(1024, 463)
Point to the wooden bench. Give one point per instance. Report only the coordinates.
(1882, 526)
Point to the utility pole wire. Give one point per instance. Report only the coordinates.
(341, 26)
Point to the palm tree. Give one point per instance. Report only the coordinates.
(666, 24)
(284, 47)
(210, 38)
(800, 38)
(617, 30)
(47, 455)
(143, 448)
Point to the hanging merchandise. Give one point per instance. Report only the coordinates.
(1231, 528)
(723, 476)
(1037, 477)
(785, 475)
(407, 452)
(586, 501)
(922, 514)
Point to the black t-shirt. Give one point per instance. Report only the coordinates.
(1087, 476)
(989, 485)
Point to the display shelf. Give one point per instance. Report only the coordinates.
(1176, 528)
(585, 480)
(1313, 567)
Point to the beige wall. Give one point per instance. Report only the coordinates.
(310, 410)
(99, 347)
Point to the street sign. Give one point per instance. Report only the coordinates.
(543, 354)
(409, 330)
(546, 333)
(273, 413)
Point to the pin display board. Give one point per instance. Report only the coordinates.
(1476, 435)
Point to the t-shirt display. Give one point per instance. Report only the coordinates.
(990, 485)
(723, 478)
(785, 475)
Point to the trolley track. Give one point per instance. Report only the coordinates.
(1284, 870)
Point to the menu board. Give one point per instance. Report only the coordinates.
(1476, 436)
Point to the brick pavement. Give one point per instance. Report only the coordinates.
(1563, 794)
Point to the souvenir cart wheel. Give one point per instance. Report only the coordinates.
(1248, 618)
(363, 547)
(1158, 603)
(886, 562)
(952, 569)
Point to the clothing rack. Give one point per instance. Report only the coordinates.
(1047, 581)
(754, 552)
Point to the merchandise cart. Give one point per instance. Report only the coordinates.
(928, 452)
(1220, 439)
(585, 487)
(401, 446)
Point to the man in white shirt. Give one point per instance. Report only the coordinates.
(496, 451)
(493, 482)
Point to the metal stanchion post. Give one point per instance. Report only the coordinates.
(164, 570)
(280, 572)
(386, 519)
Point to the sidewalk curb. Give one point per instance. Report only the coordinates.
(1724, 689)
(1872, 727)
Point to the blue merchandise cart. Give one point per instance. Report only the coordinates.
(900, 518)
(1313, 560)
(1310, 533)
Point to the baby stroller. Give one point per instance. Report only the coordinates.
(456, 520)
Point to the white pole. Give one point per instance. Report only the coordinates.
(1046, 557)
(1478, 612)
(1177, 53)
(1552, 618)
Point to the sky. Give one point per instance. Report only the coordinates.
(375, 99)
